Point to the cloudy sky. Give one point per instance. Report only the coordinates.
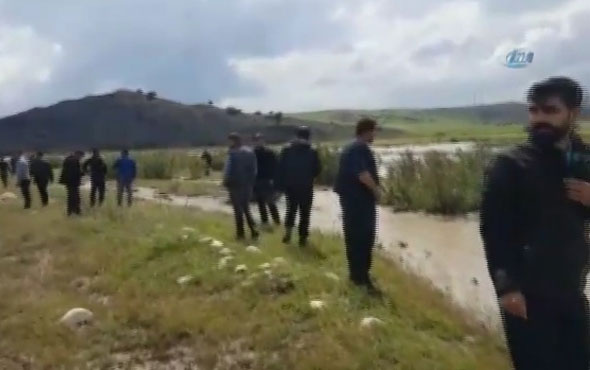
(289, 55)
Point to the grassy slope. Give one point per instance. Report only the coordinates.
(134, 257)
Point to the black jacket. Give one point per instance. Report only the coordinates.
(299, 165)
(534, 237)
(266, 161)
(98, 169)
(71, 173)
(41, 171)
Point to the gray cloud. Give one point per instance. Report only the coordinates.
(183, 49)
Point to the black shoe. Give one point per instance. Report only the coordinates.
(287, 239)
(255, 235)
(303, 242)
(240, 237)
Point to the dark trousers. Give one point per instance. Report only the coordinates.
(555, 335)
(25, 189)
(359, 218)
(299, 200)
(73, 193)
(124, 187)
(97, 186)
(43, 194)
(263, 192)
(240, 200)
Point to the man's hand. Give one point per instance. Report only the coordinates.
(514, 303)
(578, 191)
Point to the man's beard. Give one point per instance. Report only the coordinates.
(544, 135)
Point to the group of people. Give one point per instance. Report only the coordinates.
(535, 214)
(261, 174)
(36, 169)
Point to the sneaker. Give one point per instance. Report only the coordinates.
(255, 235)
(287, 239)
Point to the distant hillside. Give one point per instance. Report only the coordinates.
(132, 119)
(503, 113)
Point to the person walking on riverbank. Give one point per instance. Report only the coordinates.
(98, 173)
(23, 178)
(71, 178)
(264, 191)
(125, 173)
(534, 226)
(299, 166)
(4, 169)
(239, 177)
(208, 160)
(357, 185)
(42, 174)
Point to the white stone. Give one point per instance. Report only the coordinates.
(7, 196)
(253, 249)
(332, 276)
(223, 262)
(241, 268)
(371, 322)
(77, 317)
(216, 244)
(264, 266)
(183, 280)
(317, 304)
(206, 239)
(184, 237)
(277, 261)
(187, 229)
(225, 252)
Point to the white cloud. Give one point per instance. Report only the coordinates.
(440, 57)
(26, 61)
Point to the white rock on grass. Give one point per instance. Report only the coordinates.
(371, 322)
(225, 252)
(183, 280)
(216, 243)
(253, 249)
(241, 268)
(317, 304)
(264, 266)
(279, 261)
(184, 237)
(77, 317)
(206, 239)
(8, 196)
(332, 276)
(187, 229)
(223, 262)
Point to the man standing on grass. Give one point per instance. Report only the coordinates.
(299, 165)
(357, 185)
(534, 225)
(42, 175)
(98, 173)
(4, 171)
(126, 171)
(208, 159)
(239, 176)
(266, 160)
(71, 178)
(23, 178)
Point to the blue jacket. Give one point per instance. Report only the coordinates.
(125, 169)
(240, 168)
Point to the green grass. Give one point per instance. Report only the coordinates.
(134, 256)
(210, 187)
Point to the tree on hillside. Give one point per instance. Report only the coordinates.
(257, 113)
(139, 91)
(152, 95)
(233, 111)
(210, 102)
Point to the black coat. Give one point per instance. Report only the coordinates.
(98, 169)
(535, 238)
(41, 171)
(71, 173)
(266, 161)
(299, 165)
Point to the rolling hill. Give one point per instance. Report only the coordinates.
(135, 120)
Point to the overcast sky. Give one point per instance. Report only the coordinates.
(290, 55)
